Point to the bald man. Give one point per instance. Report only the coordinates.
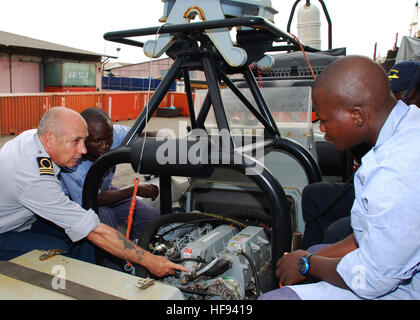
(34, 211)
(325, 222)
(381, 259)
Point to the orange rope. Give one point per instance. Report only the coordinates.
(131, 212)
(132, 207)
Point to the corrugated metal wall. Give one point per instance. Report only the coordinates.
(132, 84)
(22, 112)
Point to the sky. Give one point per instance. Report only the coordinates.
(356, 24)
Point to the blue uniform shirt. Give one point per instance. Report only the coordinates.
(72, 179)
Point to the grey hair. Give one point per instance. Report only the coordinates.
(51, 121)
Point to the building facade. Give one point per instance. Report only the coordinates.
(29, 65)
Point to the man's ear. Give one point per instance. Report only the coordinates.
(358, 115)
(48, 140)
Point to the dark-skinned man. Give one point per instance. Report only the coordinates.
(113, 203)
(380, 260)
(326, 205)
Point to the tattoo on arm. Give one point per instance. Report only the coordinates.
(128, 245)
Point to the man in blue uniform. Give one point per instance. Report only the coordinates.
(34, 211)
(114, 204)
(381, 259)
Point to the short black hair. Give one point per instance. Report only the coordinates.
(95, 115)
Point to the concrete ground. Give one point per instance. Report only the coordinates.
(124, 173)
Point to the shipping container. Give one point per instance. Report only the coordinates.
(179, 100)
(122, 106)
(68, 74)
(69, 89)
(20, 112)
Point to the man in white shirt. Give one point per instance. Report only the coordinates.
(34, 211)
(381, 259)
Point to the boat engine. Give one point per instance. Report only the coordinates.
(225, 261)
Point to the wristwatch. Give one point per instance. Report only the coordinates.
(303, 264)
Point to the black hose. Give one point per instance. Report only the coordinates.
(254, 271)
(249, 214)
(184, 225)
(263, 219)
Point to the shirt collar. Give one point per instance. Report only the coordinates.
(392, 122)
(82, 164)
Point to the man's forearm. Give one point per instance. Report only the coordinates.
(324, 263)
(324, 268)
(108, 197)
(117, 244)
(339, 249)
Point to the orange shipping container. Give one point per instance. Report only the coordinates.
(122, 106)
(20, 112)
(79, 101)
(179, 100)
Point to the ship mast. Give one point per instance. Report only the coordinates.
(414, 25)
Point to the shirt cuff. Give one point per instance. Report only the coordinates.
(88, 223)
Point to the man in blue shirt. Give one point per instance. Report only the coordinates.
(381, 259)
(326, 205)
(114, 204)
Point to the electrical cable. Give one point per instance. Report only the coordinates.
(304, 54)
(315, 117)
(254, 271)
(184, 225)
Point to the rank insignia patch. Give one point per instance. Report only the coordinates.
(45, 166)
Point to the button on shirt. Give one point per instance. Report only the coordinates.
(72, 179)
(29, 187)
(385, 215)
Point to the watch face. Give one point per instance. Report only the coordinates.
(302, 265)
